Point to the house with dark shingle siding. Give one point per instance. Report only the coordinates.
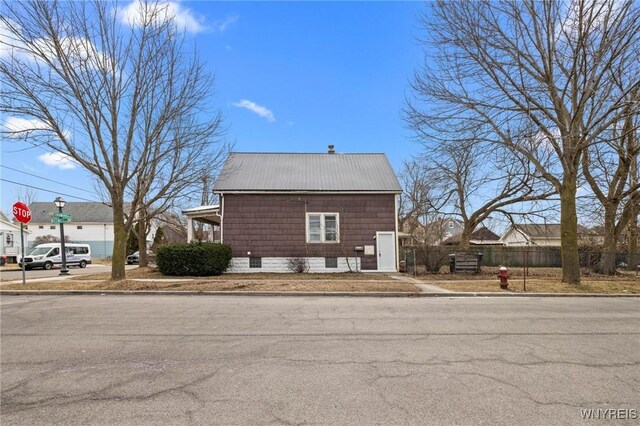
(336, 211)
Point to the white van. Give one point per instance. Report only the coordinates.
(47, 255)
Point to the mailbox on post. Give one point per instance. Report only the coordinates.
(358, 249)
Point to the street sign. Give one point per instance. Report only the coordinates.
(62, 215)
(60, 220)
(21, 212)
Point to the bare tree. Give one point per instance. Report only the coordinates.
(27, 195)
(126, 102)
(480, 180)
(632, 232)
(609, 170)
(534, 77)
(418, 202)
(45, 239)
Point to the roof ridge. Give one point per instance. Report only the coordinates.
(307, 153)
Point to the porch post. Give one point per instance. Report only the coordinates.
(189, 229)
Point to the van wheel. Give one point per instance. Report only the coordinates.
(48, 265)
(82, 264)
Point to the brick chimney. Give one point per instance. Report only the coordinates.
(332, 149)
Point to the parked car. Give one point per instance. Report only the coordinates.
(46, 256)
(134, 258)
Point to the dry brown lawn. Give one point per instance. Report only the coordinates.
(228, 282)
(545, 286)
(152, 273)
(539, 280)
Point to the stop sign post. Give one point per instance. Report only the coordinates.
(22, 213)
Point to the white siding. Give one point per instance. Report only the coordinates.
(90, 231)
(515, 238)
(280, 264)
(12, 248)
(98, 235)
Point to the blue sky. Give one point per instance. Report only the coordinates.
(290, 77)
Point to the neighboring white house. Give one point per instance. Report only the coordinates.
(545, 235)
(532, 234)
(10, 238)
(91, 223)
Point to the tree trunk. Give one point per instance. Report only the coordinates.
(465, 237)
(569, 232)
(633, 241)
(607, 263)
(119, 241)
(632, 230)
(143, 259)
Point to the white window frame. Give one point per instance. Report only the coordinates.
(322, 228)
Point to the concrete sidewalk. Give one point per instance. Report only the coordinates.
(424, 287)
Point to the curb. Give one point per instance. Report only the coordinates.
(293, 294)
(202, 293)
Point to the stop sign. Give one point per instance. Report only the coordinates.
(21, 212)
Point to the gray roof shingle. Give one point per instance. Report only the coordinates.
(540, 230)
(307, 172)
(81, 212)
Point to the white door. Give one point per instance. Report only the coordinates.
(386, 245)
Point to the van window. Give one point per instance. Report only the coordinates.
(80, 250)
(39, 251)
(54, 252)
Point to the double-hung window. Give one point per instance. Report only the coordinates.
(323, 228)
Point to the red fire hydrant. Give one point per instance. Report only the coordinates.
(504, 277)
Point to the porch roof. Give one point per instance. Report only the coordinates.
(206, 214)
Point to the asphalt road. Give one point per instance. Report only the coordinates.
(10, 275)
(291, 360)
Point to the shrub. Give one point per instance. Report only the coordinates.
(432, 257)
(298, 265)
(589, 255)
(197, 259)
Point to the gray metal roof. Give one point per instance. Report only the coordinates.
(82, 212)
(307, 172)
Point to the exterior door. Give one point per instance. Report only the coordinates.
(386, 246)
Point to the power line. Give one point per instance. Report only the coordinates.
(52, 192)
(44, 178)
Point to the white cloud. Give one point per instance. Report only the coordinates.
(80, 51)
(223, 25)
(184, 18)
(258, 109)
(57, 159)
(19, 127)
(592, 18)
(11, 43)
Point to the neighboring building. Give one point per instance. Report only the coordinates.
(532, 234)
(275, 207)
(545, 235)
(10, 238)
(480, 237)
(432, 233)
(91, 223)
